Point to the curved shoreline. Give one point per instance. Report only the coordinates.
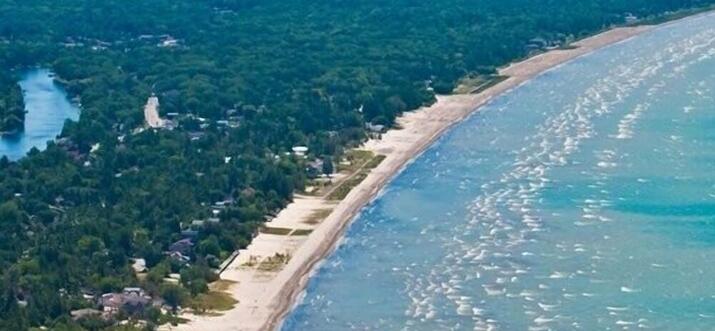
(518, 73)
(264, 305)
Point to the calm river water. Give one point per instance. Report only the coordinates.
(47, 108)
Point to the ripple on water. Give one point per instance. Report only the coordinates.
(548, 231)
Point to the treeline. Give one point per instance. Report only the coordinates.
(12, 107)
(288, 73)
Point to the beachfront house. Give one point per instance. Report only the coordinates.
(375, 131)
(375, 128)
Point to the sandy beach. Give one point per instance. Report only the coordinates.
(266, 296)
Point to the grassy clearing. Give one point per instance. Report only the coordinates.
(357, 158)
(477, 84)
(374, 162)
(222, 285)
(318, 216)
(468, 83)
(493, 80)
(301, 232)
(216, 300)
(346, 186)
(211, 302)
(172, 320)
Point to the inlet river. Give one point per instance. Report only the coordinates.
(47, 110)
(584, 199)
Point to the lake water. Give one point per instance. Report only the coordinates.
(47, 108)
(583, 200)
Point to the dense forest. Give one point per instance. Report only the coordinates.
(243, 82)
(12, 108)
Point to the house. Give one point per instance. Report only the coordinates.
(134, 300)
(182, 246)
(179, 258)
(375, 128)
(213, 220)
(300, 150)
(139, 265)
(111, 302)
(194, 136)
(197, 223)
(88, 294)
(224, 203)
(630, 18)
(137, 291)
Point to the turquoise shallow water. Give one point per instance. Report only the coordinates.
(47, 110)
(584, 199)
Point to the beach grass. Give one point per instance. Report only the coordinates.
(212, 301)
(346, 186)
(342, 191)
(372, 164)
(275, 230)
(301, 232)
(318, 216)
(356, 157)
(274, 263)
(477, 84)
(172, 319)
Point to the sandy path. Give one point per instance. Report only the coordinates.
(151, 113)
(265, 300)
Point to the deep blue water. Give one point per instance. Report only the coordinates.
(582, 200)
(47, 108)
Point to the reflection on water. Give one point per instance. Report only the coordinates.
(47, 110)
